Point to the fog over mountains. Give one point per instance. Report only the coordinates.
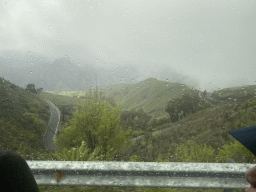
(67, 74)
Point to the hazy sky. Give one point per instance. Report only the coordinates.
(211, 41)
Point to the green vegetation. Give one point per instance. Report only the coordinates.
(99, 128)
(151, 95)
(32, 89)
(238, 94)
(59, 99)
(24, 118)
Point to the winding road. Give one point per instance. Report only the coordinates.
(54, 126)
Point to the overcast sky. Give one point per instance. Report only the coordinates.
(211, 41)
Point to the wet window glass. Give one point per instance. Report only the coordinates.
(127, 81)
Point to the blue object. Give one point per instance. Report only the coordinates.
(246, 136)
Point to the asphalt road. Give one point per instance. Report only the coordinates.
(53, 127)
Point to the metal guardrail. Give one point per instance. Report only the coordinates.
(225, 176)
(229, 161)
(141, 174)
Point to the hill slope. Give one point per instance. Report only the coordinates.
(151, 95)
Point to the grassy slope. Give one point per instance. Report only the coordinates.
(208, 126)
(150, 94)
(24, 117)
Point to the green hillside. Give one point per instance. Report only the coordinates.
(24, 118)
(234, 94)
(199, 137)
(150, 95)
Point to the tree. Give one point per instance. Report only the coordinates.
(39, 90)
(31, 88)
(135, 119)
(195, 97)
(186, 103)
(204, 94)
(97, 125)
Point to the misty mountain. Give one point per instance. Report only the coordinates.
(19, 59)
(70, 74)
(60, 74)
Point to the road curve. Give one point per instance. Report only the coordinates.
(54, 126)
